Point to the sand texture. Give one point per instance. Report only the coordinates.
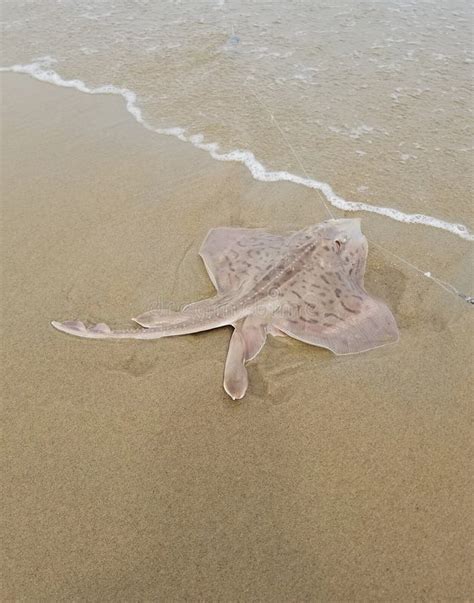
(128, 474)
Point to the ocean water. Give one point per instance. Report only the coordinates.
(370, 102)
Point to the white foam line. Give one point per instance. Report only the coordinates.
(40, 70)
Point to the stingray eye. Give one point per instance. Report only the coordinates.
(338, 245)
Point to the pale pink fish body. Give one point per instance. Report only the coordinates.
(308, 285)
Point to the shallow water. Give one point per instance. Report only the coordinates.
(371, 99)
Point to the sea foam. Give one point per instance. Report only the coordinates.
(41, 70)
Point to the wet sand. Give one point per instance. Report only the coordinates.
(128, 473)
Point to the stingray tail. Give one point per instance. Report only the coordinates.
(167, 326)
(99, 331)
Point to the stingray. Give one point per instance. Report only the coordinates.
(308, 285)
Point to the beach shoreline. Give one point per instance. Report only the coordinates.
(129, 473)
(42, 71)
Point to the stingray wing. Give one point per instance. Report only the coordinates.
(233, 256)
(361, 324)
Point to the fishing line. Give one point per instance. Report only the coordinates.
(290, 146)
(443, 284)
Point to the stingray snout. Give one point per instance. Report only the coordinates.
(348, 229)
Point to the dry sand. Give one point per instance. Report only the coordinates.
(128, 473)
